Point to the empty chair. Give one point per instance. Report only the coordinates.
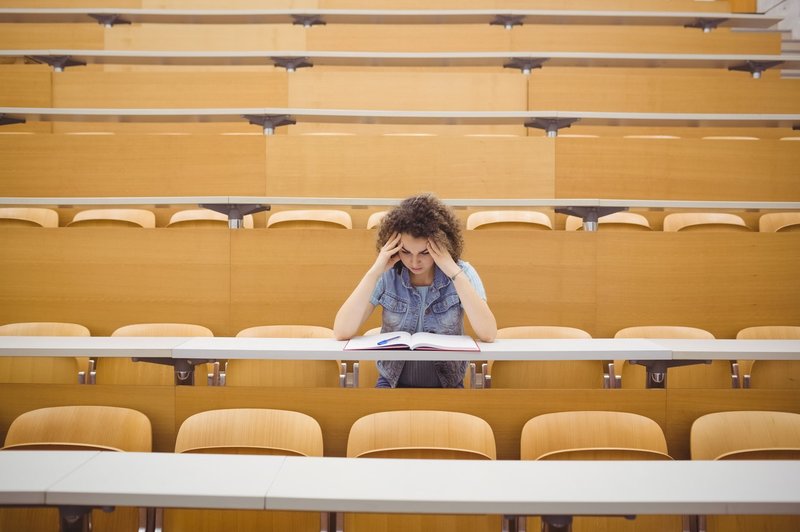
(43, 370)
(329, 218)
(598, 435)
(103, 428)
(247, 431)
(508, 220)
(770, 373)
(618, 221)
(205, 218)
(545, 373)
(747, 435)
(779, 222)
(124, 371)
(718, 374)
(421, 434)
(704, 221)
(114, 218)
(295, 373)
(28, 216)
(375, 219)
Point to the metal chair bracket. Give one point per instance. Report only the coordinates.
(589, 215)
(507, 21)
(292, 63)
(236, 211)
(525, 64)
(58, 62)
(109, 20)
(706, 24)
(308, 20)
(755, 67)
(8, 120)
(270, 122)
(551, 125)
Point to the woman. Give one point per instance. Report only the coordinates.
(422, 284)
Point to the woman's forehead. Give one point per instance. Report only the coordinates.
(413, 244)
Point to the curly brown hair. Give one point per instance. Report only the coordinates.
(424, 216)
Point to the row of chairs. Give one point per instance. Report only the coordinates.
(34, 216)
(418, 434)
(324, 373)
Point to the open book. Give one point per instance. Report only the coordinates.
(418, 341)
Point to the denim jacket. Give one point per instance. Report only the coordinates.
(443, 314)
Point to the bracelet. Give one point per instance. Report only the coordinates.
(460, 270)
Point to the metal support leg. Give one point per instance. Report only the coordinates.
(706, 24)
(589, 215)
(525, 64)
(756, 68)
(292, 63)
(507, 21)
(236, 211)
(551, 125)
(270, 122)
(556, 523)
(58, 62)
(8, 120)
(184, 368)
(657, 369)
(308, 20)
(109, 21)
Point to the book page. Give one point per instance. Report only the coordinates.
(389, 340)
(443, 342)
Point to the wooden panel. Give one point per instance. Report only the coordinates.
(131, 165)
(452, 167)
(440, 91)
(75, 88)
(642, 39)
(336, 409)
(106, 277)
(411, 38)
(679, 169)
(222, 37)
(685, 406)
(662, 91)
(721, 282)
(25, 86)
(35, 36)
(156, 402)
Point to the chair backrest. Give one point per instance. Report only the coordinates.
(28, 216)
(704, 221)
(770, 374)
(592, 435)
(375, 219)
(770, 332)
(43, 370)
(618, 221)
(204, 218)
(81, 427)
(295, 373)
(509, 220)
(114, 217)
(718, 374)
(324, 218)
(250, 431)
(546, 373)
(746, 435)
(124, 371)
(421, 434)
(782, 222)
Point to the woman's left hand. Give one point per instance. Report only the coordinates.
(442, 258)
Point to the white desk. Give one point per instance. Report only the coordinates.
(89, 346)
(732, 349)
(25, 476)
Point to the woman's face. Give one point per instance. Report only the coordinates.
(414, 256)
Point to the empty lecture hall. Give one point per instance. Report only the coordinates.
(580, 220)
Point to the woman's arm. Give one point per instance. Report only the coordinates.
(478, 313)
(357, 308)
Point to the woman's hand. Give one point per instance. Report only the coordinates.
(442, 258)
(389, 253)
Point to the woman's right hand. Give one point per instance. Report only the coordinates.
(389, 254)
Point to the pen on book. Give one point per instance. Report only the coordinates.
(384, 342)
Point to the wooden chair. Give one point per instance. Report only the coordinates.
(508, 220)
(123, 371)
(247, 431)
(114, 218)
(618, 221)
(103, 428)
(294, 373)
(44, 370)
(324, 218)
(704, 221)
(204, 218)
(598, 435)
(718, 374)
(747, 435)
(779, 222)
(771, 374)
(28, 217)
(545, 373)
(375, 219)
(421, 434)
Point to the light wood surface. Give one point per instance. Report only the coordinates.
(29, 216)
(204, 218)
(704, 221)
(309, 219)
(732, 435)
(508, 220)
(114, 217)
(779, 222)
(63, 370)
(618, 221)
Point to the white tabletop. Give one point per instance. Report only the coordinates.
(536, 488)
(169, 480)
(732, 349)
(25, 476)
(89, 346)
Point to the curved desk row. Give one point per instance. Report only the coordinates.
(507, 18)
(523, 61)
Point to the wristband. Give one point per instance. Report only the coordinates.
(460, 270)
